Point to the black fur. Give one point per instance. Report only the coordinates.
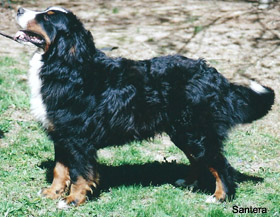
(95, 101)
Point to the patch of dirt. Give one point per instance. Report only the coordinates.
(237, 38)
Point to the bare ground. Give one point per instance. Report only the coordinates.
(237, 38)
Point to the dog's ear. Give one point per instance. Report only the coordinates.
(84, 45)
(76, 45)
(71, 40)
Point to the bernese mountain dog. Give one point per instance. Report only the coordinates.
(86, 100)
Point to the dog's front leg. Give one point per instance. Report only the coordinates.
(61, 177)
(61, 180)
(83, 175)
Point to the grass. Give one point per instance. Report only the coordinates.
(134, 183)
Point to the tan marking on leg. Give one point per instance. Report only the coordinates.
(79, 190)
(220, 193)
(61, 180)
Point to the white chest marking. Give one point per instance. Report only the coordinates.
(38, 108)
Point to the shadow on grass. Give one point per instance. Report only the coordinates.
(148, 174)
(1, 134)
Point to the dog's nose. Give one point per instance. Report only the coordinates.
(20, 11)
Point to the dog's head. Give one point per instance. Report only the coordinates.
(43, 28)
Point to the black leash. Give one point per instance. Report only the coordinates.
(10, 37)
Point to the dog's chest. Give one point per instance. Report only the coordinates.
(38, 108)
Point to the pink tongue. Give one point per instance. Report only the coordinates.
(20, 35)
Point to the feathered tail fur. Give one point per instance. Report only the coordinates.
(252, 102)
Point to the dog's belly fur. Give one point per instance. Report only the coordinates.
(38, 108)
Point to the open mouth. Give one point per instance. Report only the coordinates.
(29, 36)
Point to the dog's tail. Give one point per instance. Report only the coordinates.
(252, 103)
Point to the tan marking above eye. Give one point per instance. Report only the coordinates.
(50, 12)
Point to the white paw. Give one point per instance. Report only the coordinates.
(62, 205)
(212, 199)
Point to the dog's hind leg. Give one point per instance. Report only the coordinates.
(181, 142)
(193, 173)
(224, 176)
(205, 153)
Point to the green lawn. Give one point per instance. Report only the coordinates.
(133, 182)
